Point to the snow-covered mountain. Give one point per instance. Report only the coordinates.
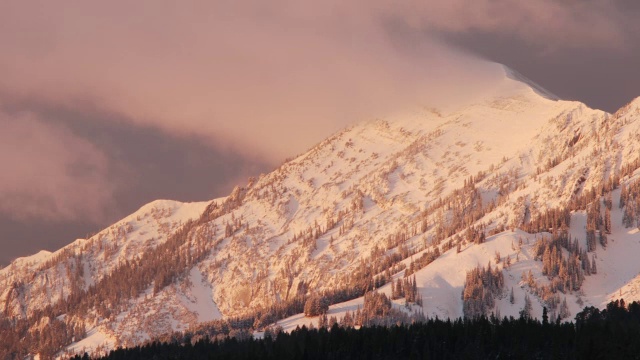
(371, 200)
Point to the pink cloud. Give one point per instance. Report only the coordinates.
(268, 78)
(262, 78)
(49, 173)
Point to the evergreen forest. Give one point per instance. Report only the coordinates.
(612, 333)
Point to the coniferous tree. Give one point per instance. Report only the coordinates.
(394, 294)
(332, 321)
(591, 240)
(399, 289)
(564, 310)
(607, 220)
(602, 236)
(525, 313)
(481, 287)
(315, 305)
(323, 321)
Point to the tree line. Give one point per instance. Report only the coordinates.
(608, 334)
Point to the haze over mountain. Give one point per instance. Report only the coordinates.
(545, 191)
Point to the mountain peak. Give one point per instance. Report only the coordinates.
(501, 83)
(425, 195)
(514, 75)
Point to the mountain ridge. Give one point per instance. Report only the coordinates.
(384, 191)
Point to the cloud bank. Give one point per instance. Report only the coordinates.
(267, 79)
(49, 173)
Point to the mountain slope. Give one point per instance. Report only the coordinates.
(368, 201)
(441, 282)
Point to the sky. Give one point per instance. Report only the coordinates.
(105, 106)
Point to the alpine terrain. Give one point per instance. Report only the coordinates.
(512, 202)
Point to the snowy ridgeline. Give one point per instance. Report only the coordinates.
(528, 201)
